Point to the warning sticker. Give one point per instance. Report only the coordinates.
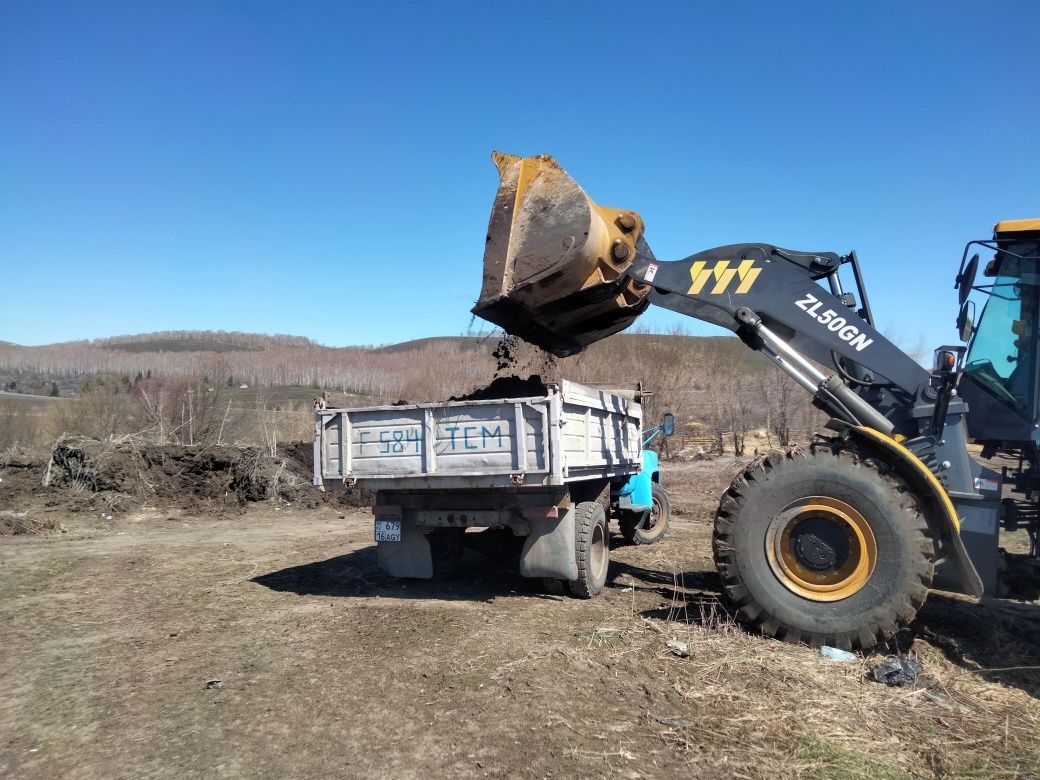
(989, 485)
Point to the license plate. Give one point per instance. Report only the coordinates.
(388, 530)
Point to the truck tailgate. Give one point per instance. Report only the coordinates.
(574, 432)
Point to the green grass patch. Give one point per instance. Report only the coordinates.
(829, 761)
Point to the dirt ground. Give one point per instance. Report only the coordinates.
(156, 642)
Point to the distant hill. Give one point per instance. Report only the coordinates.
(463, 342)
(178, 345)
(422, 369)
(200, 341)
(207, 341)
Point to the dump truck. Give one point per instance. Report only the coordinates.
(840, 541)
(532, 475)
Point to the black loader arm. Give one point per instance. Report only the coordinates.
(780, 286)
(759, 289)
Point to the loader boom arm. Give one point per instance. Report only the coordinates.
(766, 295)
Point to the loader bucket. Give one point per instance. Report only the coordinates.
(555, 260)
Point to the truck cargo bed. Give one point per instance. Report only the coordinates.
(571, 433)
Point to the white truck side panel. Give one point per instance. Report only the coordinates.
(572, 433)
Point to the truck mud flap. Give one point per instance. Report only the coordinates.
(409, 557)
(550, 549)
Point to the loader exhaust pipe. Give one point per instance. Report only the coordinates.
(555, 260)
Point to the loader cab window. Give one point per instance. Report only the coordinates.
(1002, 354)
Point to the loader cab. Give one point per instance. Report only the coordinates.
(1001, 368)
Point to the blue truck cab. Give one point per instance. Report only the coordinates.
(639, 502)
(636, 492)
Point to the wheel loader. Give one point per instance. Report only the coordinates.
(837, 542)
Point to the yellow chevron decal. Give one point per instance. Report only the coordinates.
(723, 275)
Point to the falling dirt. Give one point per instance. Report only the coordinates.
(504, 353)
(514, 356)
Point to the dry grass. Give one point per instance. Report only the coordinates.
(761, 708)
(487, 675)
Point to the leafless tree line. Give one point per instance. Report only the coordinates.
(710, 384)
(366, 371)
(200, 340)
(163, 410)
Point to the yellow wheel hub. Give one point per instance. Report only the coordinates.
(821, 548)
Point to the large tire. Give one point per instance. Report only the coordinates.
(592, 549)
(648, 527)
(820, 513)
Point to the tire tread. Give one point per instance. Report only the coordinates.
(587, 515)
(887, 619)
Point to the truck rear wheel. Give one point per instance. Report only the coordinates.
(824, 546)
(648, 527)
(592, 549)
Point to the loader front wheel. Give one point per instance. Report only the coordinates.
(592, 549)
(824, 546)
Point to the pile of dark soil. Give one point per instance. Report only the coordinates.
(19, 475)
(507, 387)
(505, 353)
(167, 474)
(299, 458)
(83, 472)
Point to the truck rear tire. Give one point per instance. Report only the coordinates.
(825, 546)
(592, 549)
(648, 527)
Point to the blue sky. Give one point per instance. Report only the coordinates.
(322, 169)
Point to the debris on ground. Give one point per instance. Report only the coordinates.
(837, 654)
(896, 670)
(678, 648)
(23, 524)
(279, 600)
(675, 723)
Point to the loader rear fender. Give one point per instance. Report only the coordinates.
(931, 492)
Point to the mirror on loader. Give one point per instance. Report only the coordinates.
(966, 279)
(965, 321)
(964, 283)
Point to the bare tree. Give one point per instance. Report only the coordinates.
(780, 397)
